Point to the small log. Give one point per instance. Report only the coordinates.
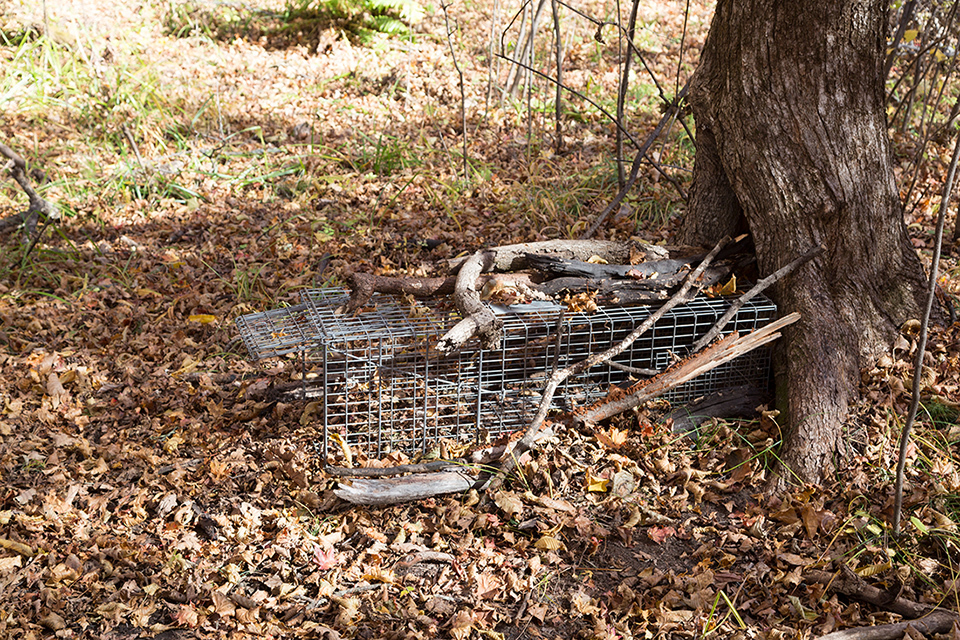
(478, 319)
(628, 292)
(364, 285)
(384, 491)
(579, 269)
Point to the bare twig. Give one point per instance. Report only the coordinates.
(463, 99)
(635, 169)
(38, 205)
(133, 145)
(922, 338)
(622, 92)
(754, 291)
(922, 618)
(905, 19)
(558, 52)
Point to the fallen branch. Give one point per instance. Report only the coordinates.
(627, 292)
(922, 618)
(754, 291)
(383, 491)
(38, 205)
(364, 285)
(513, 257)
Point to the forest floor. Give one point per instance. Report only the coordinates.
(208, 166)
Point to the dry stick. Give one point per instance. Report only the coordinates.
(556, 379)
(133, 145)
(683, 41)
(624, 84)
(754, 291)
(490, 58)
(922, 339)
(463, 97)
(929, 134)
(635, 169)
(921, 617)
(558, 104)
(38, 205)
(724, 350)
(521, 35)
(478, 319)
(398, 470)
(932, 43)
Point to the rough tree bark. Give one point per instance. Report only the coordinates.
(792, 140)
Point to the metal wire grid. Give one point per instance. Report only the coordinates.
(383, 385)
(278, 332)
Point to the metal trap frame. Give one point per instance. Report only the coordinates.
(382, 385)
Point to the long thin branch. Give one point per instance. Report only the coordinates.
(922, 338)
(633, 140)
(682, 296)
(725, 350)
(622, 92)
(754, 291)
(558, 100)
(463, 98)
(635, 168)
(600, 24)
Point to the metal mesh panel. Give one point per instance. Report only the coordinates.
(383, 385)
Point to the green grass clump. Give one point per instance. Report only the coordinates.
(301, 22)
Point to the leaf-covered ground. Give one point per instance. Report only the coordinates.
(154, 486)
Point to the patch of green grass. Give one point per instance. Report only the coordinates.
(45, 75)
(381, 154)
(300, 22)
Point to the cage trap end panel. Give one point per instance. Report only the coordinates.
(383, 386)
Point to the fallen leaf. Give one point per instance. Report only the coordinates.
(461, 625)
(53, 622)
(488, 586)
(17, 547)
(613, 438)
(548, 543)
(186, 615)
(222, 605)
(584, 604)
(509, 503)
(659, 534)
(202, 318)
(597, 484)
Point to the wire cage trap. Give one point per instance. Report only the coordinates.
(382, 385)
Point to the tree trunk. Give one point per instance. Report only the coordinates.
(792, 139)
